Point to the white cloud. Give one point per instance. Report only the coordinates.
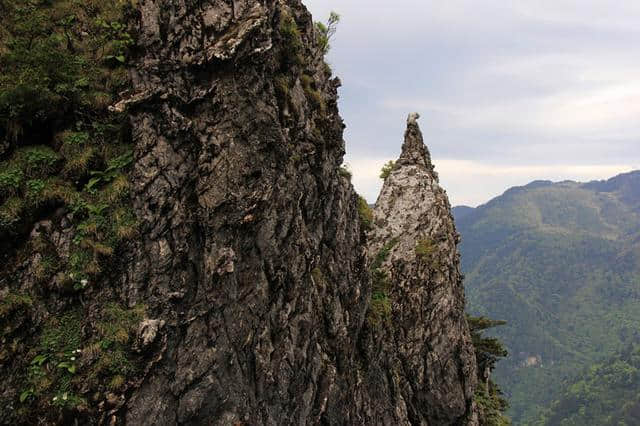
(473, 183)
(519, 82)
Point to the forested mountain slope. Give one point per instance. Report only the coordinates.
(607, 393)
(560, 263)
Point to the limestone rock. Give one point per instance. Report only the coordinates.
(430, 336)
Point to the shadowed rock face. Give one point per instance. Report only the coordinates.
(252, 251)
(430, 336)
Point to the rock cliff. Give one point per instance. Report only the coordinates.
(413, 245)
(247, 295)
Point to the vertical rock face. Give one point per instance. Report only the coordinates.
(430, 336)
(251, 250)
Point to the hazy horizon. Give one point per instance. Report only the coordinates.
(508, 93)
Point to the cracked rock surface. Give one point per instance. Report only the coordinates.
(247, 218)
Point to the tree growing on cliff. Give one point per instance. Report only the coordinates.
(326, 31)
(488, 351)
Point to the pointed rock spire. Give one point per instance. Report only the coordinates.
(413, 150)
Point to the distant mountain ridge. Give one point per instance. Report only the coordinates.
(461, 211)
(560, 262)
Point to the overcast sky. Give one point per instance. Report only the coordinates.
(509, 91)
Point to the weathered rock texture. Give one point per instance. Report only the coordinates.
(429, 337)
(251, 262)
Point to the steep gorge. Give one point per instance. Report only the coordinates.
(247, 291)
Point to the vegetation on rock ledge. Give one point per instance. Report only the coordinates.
(64, 166)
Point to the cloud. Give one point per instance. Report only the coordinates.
(460, 177)
(539, 89)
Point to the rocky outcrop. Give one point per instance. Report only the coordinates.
(430, 338)
(250, 263)
(252, 251)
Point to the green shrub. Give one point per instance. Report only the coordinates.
(313, 95)
(37, 161)
(13, 302)
(383, 254)
(344, 172)
(11, 212)
(380, 306)
(292, 41)
(365, 213)
(387, 169)
(11, 178)
(324, 32)
(488, 351)
(78, 153)
(379, 310)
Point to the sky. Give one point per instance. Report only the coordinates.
(509, 91)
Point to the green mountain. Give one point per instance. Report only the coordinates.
(560, 262)
(605, 394)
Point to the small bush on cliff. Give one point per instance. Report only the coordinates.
(344, 172)
(488, 351)
(425, 248)
(13, 302)
(313, 95)
(380, 307)
(387, 169)
(326, 31)
(365, 213)
(292, 41)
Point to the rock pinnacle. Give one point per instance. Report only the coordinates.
(413, 150)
